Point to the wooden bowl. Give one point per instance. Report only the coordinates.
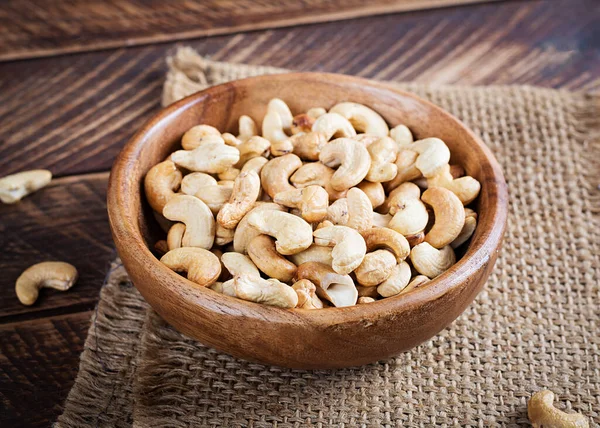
(298, 338)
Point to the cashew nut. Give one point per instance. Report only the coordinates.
(381, 220)
(360, 210)
(316, 174)
(417, 282)
(456, 171)
(198, 219)
(160, 184)
(314, 253)
(239, 264)
(202, 266)
(375, 268)
(383, 154)
(334, 287)
(433, 155)
(246, 128)
(312, 201)
(264, 255)
(316, 112)
(367, 291)
(223, 236)
(302, 123)
(277, 120)
(276, 173)
(252, 148)
(374, 192)
(407, 169)
(467, 230)
(229, 174)
(58, 275)
(430, 261)
(268, 291)
(307, 295)
(382, 237)
(231, 140)
(410, 215)
(175, 236)
(214, 196)
(245, 192)
(192, 182)
(306, 145)
(363, 300)
(542, 413)
(367, 139)
(15, 187)
(255, 164)
(449, 216)
(351, 158)
(362, 118)
(227, 288)
(337, 213)
(334, 125)
(401, 135)
(466, 188)
(292, 233)
(349, 247)
(210, 157)
(201, 134)
(244, 233)
(396, 281)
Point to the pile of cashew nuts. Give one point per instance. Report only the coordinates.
(326, 208)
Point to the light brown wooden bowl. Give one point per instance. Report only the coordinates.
(326, 338)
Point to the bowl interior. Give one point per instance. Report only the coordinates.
(222, 105)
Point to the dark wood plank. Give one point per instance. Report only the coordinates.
(72, 114)
(65, 221)
(38, 364)
(59, 27)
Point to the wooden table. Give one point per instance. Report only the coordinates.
(71, 113)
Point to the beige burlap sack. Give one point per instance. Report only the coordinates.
(535, 325)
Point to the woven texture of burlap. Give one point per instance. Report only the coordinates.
(535, 325)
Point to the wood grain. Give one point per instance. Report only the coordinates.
(38, 363)
(82, 25)
(65, 221)
(73, 114)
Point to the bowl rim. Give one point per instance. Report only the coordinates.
(475, 258)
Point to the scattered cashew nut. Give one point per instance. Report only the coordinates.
(466, 188)
(15, 187)
(252, 148)
(246, 128)
(244, 233)
(314, 253)
(175, 236)
(360, 210)
(542, 413)
(385, 238)
(58, 275)
(401, 135)
(316, 174)
(467, 230)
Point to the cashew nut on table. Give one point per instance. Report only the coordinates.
(311, 209)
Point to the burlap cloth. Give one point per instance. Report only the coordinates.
(535, 325)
